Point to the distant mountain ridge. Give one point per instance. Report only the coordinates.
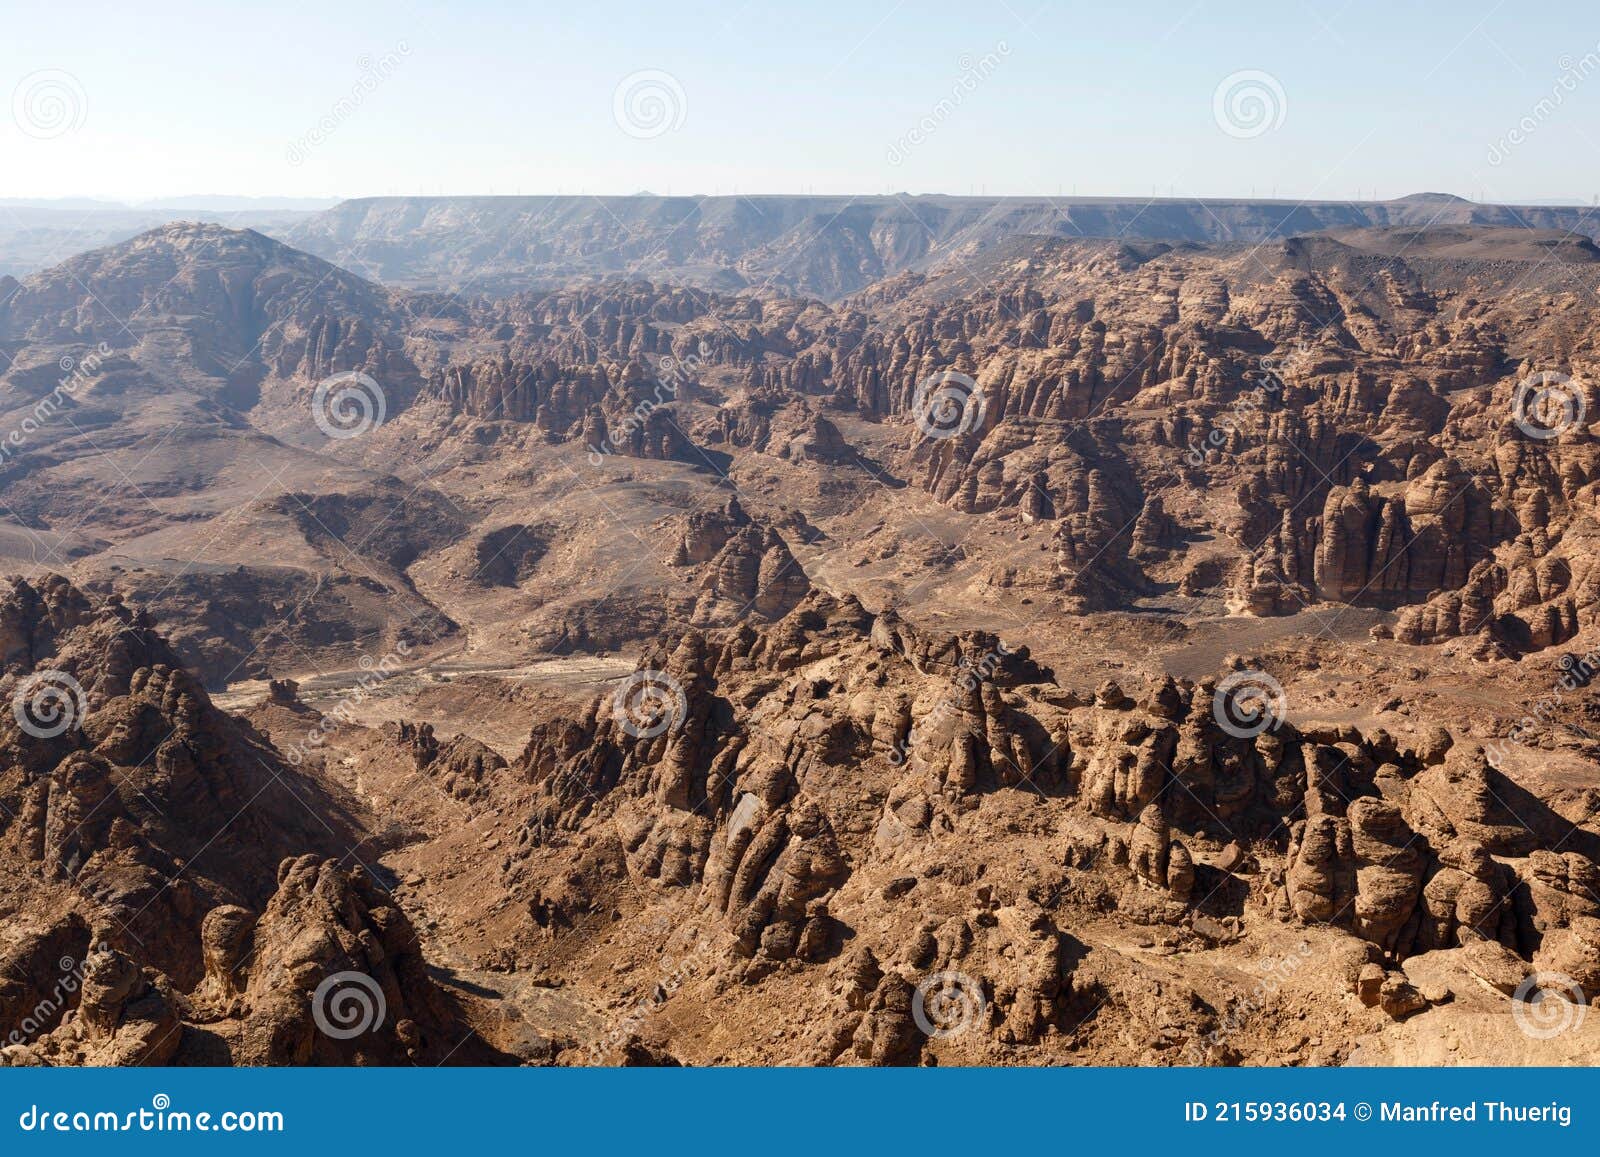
(822, 246)
(814, 246)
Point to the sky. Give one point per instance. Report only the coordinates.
(1486, 99)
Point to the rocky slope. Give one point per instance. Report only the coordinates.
(1308, 421)
(831, 798)
(177, 891)
(1025, 650)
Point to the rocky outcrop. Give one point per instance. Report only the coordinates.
(770, 876)
(509, 555)
(1393, 550)
(820, 442)
(330, 973)
(1574, 952)
(746, 567)
(1392, 841)
(336, 975)
(126, 1017)
(41, 975)
(460, 765)
(127, 784)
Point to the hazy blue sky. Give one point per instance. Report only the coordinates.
(162, 98)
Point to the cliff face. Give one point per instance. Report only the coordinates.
(120, 772)
(228, 289)
(825, 815)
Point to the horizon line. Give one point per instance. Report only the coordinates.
(105, 203)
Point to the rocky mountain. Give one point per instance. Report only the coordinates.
(38, 235)
(887, 631)
(826, 805)
(174, 874)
